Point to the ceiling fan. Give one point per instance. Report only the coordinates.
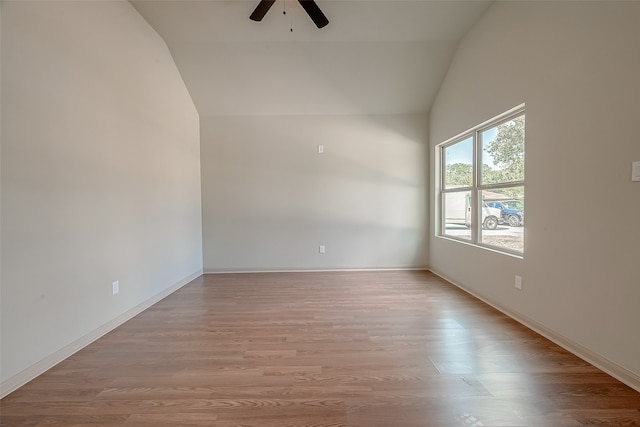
(309, 6)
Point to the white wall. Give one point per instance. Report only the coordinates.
(100, 174)
(576, 66)
(269, 199)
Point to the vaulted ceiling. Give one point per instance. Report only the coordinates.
(374, 57)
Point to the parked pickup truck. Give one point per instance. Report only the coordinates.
(511, 211)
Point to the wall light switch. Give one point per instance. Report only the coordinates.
(320, 149)
(635, 171)
(115, 287)
(321, 249)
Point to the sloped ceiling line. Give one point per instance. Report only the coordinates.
(376, 57)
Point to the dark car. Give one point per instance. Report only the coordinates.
(511, 211)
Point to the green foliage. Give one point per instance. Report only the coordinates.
(507, 150)
(514, 192)
(459, 175)
(490, 175)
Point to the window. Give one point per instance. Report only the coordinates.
(481, 185)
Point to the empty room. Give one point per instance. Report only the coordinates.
(312, 213)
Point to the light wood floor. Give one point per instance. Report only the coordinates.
(362, 349)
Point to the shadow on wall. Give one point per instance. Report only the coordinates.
(365, 196)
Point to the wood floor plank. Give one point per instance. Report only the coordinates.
(331, 349)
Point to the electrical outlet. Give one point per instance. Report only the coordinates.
(115, 287)
(321, 249)
(320, 149)
(518, 282)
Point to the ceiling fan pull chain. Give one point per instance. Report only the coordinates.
(290, 18)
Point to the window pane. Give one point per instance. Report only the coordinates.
(503, 218)
(503, 152)
(458, 161)
(457, 214)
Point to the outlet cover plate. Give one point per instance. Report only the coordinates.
(518, 282)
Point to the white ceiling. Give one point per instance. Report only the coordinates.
(374, 57)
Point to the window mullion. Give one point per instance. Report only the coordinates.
(477, 179)
(501, 185)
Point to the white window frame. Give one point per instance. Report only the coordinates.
(476, 188)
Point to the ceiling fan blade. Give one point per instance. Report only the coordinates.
(314, 13)
(261, 10)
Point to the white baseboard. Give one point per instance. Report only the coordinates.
(50, 361)
(608, 366)
(324, 270)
